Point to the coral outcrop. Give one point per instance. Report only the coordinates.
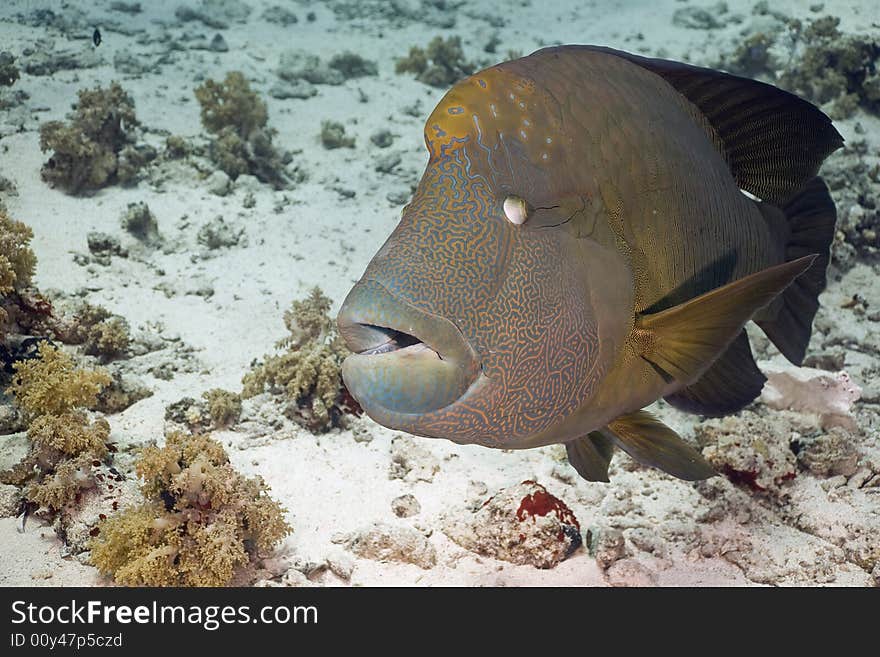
(200, 524)
(101, 333)
(759, 459)
(17, 262)
(51, 384)
(66, 446)
(242, 143)
(835, 69)
(815, 60)
(217, 409)
(307, 372)
(441, 64)
(95, 147)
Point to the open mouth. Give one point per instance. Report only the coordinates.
(405, 360)
(394, 340)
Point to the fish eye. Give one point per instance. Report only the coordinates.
(516, 210)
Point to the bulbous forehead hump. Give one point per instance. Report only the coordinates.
(493, 106)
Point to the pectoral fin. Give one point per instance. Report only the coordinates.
(650, 442)
(729, 385)
(682, 341)
(590, 455)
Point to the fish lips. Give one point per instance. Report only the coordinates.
(405, 361)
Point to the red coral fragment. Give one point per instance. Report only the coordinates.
(541, 503)
(747, 478)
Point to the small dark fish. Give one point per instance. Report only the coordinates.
(96, 37)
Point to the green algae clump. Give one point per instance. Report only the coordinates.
(201, 522)
(242, 143)
(308, 371)
(89, 149)
(440, 65)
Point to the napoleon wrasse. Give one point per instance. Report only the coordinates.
(592, 232)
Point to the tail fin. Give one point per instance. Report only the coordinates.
(811, 216)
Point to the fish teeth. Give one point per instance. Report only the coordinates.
(384, 348)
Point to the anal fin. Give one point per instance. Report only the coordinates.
(591, 455)
(729, 385)
(650, 442)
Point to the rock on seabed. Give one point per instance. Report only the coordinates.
(523, 524)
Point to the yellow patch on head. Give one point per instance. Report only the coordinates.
(492, 106)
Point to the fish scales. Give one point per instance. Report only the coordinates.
(692, 199)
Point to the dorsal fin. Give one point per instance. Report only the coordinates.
(772, 140)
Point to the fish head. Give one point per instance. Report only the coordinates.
(476, 321)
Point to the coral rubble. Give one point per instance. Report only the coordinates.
(8, 70)
(140, 222)
(384, 542)
(352, 65)
(333, 136)
(411, 460)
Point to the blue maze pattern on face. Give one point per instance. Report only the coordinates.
(517, 295)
